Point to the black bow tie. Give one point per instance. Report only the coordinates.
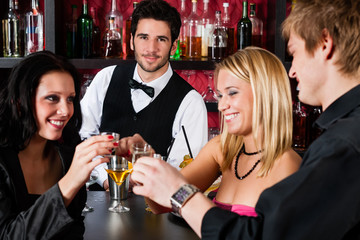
(136, 85)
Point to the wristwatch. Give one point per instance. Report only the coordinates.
(181, 196)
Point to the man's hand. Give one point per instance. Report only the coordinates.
(156, 180)
(124, 148)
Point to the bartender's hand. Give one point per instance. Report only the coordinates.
(125, 145)
(106, 184)
(124, 148)
(156, 180)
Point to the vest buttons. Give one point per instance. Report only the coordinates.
(135, 118)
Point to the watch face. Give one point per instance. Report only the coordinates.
(181, 195)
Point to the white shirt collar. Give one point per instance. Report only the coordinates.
(159, 83)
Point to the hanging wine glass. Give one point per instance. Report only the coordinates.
(188, 74)
(209, 95)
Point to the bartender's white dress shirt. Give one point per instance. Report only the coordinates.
(192, 114)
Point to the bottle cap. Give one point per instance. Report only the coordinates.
(252, 6)
(225, 4)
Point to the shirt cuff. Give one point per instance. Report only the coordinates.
(102, 174)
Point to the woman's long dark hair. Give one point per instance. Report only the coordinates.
(17, 122)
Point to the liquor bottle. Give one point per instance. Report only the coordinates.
(299, 126)
(193, 33)
(112, 44)
(116, 15)
(207, 25)
(217, 40)
(11, 32)
(96, 34)
(84, 32)
(182, 36)
(71, 29)
(21, 27)
(257, 27)
(244, 28)
(129, 52)
(230, 30)
(313, 131)
(34, 34)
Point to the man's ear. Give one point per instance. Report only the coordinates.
(174, 47)
(327, 44)
(131, 43)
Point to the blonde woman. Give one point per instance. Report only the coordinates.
(254, 150)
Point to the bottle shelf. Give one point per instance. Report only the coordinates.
(53, 11)
(9, 62)
(212, 107)
(97, 63)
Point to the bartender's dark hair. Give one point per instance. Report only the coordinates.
(17, 121)
(158, 10)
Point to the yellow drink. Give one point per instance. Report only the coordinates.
(119, 175)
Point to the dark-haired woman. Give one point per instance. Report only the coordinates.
(42, 174)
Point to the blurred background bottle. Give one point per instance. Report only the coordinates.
(71, 31)
(244, 28)
(21, 27)
(300, 125)
(112, 44)
(118, 18)
(207, 25)
(129, 52)
(96, 34)
(11, 32)
(34, 34)
(193, 33)
(84, 32)
(217, 40)
(313, 131)
(182, 36)
(230, 30)
(257, 27)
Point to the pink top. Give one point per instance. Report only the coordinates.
(238, 208)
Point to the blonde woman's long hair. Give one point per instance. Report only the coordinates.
(272, 124)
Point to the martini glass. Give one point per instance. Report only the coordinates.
(118, 169)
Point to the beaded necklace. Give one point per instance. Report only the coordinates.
(237, 160)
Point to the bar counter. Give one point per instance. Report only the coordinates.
(139, 224)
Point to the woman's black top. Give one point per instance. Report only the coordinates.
(27, 216)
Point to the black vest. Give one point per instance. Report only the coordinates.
(154, 123)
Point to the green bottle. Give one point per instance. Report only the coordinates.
(85, 31)
(71, 32)
(244, 28)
